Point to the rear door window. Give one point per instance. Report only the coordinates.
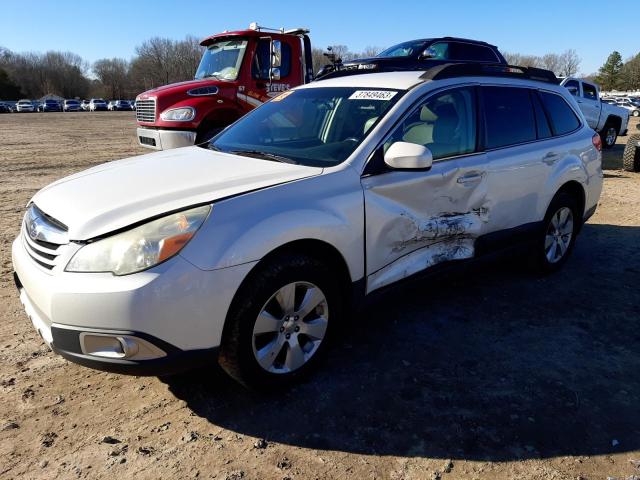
(469, 51)
(589, 91)
(509, 116)
(561, 115)
(542, 123)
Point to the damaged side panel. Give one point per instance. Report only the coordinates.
(415, 220)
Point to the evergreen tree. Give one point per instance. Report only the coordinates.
(609, 75)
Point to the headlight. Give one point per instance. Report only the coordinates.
(183, 114)
(141, 247)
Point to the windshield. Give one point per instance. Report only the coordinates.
(406, 49)
(50, 102)
(222, 60)
(312, 126)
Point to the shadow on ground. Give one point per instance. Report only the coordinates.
(486, 363)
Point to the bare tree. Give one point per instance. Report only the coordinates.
(370, 51)
(551, 61)
(113, 75)
(569, 63)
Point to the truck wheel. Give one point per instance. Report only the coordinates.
(631, 155)
(609, 136)
(279, 324)
(636, 113)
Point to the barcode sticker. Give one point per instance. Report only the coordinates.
(372, 95)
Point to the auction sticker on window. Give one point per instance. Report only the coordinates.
(372, 95)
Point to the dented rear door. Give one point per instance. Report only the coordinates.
(415, 220)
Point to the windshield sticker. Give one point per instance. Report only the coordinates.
(282, 96)
(372, 95)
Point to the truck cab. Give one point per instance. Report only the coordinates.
(238, 71)
(610, 121)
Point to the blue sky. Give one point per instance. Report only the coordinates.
(99, 29)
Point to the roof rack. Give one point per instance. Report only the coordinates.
(451, 70)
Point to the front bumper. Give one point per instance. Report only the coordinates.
(171, 315)
(165, 139)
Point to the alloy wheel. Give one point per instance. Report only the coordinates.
(559, 235)
(610, 137)
(290, 327)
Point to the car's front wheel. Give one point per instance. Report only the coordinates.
(280, 321)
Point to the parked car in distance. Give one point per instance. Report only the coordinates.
(608, 120)
(629, 105)
(84, 105)
(25, 105)
(4, 108)
(249, 252)
(132, 105)
(72, 105)
(50, 106)
(96, 104)
(118, 105)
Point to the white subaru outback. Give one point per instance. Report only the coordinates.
(249, 252)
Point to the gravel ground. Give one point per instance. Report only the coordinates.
(484, 373)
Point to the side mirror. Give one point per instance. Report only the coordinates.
(274, 74)
(408, 156)
(276, 53)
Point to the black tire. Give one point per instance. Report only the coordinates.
(609, 135)
(236, 352)
(539, 255)
(631, 155)
(207, 134)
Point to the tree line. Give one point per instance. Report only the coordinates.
(159, 61)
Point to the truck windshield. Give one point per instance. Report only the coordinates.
(311, 126)
(222, 60)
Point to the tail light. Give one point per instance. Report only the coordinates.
(597, 141)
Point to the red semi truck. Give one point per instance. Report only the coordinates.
(239, 70)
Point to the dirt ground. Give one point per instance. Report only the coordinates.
(486, 373)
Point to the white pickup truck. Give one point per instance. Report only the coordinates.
(608, 120)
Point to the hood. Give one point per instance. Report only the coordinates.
(117, 194)
(182, 86)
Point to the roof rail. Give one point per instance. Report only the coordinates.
(451, 70)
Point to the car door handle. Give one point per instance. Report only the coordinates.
(550, 158)
(469, 178)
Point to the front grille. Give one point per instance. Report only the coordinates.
(43, 252)
(146, 110)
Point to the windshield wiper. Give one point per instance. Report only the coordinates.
(263, 155)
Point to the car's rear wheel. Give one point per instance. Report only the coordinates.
(636, 113)
(280, 322)
(558, 233)
(609, 136)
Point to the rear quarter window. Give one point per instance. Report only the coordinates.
(509, 116)
(561, 116)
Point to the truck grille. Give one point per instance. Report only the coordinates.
(42, 237)
(146, 110)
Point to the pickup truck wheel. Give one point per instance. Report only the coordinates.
(609, 136)
(558, 234)
(631, 155)
(280, 322)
